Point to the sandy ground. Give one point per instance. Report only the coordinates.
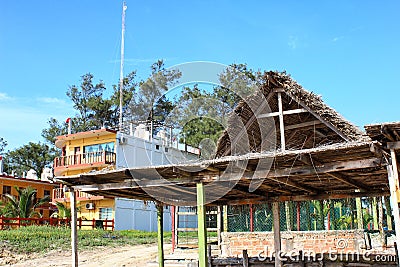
(140, 255)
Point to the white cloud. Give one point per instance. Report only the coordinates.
(337, 38)
(51, 100)
(4, 96)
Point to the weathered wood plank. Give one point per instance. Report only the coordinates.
(281, 123)
(286, 112)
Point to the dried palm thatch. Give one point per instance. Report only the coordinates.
(324, 124)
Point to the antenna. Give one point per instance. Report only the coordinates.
(121, 74)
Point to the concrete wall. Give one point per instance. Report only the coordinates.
(342, 241)
(138, 215)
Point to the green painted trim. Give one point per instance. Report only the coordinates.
(201, 228)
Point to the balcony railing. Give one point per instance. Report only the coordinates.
(102, 157)
(60, 195)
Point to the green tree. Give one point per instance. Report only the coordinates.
(94, 110)
(85, 98)
(150, 102)
(202, 114)
(31, 156)
(3, 144)
(236, 83)
(62, 212)
(24, 204)
(321, 210)
(196, 116)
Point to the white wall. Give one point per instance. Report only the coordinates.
(137, 152)
(135, 214)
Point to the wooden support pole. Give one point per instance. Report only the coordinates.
(201, 225)
(245, 258)
(393, 181)
(173, 229)
(360, 225)
(374, 214)
(277, 233)
(74, 232)
(298, 215)
(251, 218)
(281, 124)
(219, 225)
(388, 213)
(160, 234)
(380, 221)
(225, 217)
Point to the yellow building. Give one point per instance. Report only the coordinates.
(43, 189)
(84, 152)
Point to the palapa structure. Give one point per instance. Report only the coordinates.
(282, 143)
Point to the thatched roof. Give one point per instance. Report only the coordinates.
(384, 132)
(320, 125)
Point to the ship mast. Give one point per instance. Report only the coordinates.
(121, 74)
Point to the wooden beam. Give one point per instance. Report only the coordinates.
(287, 182)
(393, 145)
(277, 233)
(327, 167)
(329, 195)
(201, 224)
(347, 180)
(74, 232)
(286, 112)
(281, 123)
(303, 125)
(263, 105)
(160, 234)
(333, 128)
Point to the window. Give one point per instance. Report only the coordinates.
(46, 193)
(6, 189)
(99, 148)
(106, 213)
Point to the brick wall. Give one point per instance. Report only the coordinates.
(343, 241)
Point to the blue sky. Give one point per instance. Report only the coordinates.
(346, 51)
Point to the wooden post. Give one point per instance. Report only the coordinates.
(277, 233)
(388, 213)
(201, 226)
(225, 218)
(245, 258)
(74, 232)
(219, 226)
(173, 228)
(160, 235)
(209, 258)
(393, 176)
(360, 223)
(176, 226)
(374, 214)
(251, 218)
(281, 124)
(298, 216)
(380, 221)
